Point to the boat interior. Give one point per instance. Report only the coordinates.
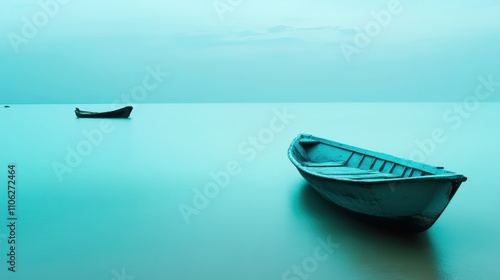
(340, 161)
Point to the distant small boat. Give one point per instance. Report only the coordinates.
(119, 113)
(392, 191)
(6, 106)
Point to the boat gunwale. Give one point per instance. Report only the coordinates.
(448, 175)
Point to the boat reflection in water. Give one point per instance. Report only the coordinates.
(376, 252)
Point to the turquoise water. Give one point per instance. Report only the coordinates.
(112, 207)
(205, 191)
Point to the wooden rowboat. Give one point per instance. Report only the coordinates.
(392, 191)
(119, 113)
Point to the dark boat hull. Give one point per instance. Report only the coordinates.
(391, 191)
(116, 114)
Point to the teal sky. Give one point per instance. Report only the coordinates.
(254, 51)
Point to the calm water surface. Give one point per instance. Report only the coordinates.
(97, 203)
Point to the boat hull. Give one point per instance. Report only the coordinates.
(121, 113)
(407, 206)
